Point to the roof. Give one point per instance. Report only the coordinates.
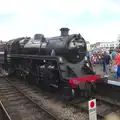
(104, 42)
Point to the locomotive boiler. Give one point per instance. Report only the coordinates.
(59, 62)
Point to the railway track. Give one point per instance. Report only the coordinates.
(42, 98)
(105, 106)
(19, 106)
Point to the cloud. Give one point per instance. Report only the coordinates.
(93, 19)
(9, 6)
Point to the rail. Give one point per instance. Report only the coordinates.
(5, 111)
(30, 99)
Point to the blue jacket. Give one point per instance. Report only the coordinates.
(113, 55)
(106, 59)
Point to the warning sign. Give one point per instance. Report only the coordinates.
(92, 109)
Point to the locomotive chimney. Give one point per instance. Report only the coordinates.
(64, 31)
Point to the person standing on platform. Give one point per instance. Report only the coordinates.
(94, 59)
(113, 55)
(110, 53)
(114, 69)
(106, 63)
(117, 61)
(90, 54)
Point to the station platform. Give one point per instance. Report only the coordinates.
(112, 82)
(99, 70)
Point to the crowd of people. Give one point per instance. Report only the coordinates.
(110, 60)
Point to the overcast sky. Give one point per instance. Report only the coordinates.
(96, 20)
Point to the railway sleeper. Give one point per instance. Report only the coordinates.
(15, 103)
(10, 92)
(22, 101)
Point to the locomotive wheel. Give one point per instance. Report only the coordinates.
(4, 72)
(30, 79)
(37, 80)
(18, 73)
(8, 72)
(46, 79)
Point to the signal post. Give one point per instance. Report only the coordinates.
(92, 109)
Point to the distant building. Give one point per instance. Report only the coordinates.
(106, 45)
(88, 45)
(93, 46)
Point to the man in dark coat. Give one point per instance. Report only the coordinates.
(106, 63)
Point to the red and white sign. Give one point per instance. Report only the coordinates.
(92, 109)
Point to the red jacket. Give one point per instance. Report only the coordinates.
(117, 59)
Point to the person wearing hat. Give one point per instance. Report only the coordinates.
(113, 54)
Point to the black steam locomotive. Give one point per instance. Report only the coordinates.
(59, 62)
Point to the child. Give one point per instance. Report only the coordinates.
(114, 69)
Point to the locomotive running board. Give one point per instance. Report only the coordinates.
(34, 56)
